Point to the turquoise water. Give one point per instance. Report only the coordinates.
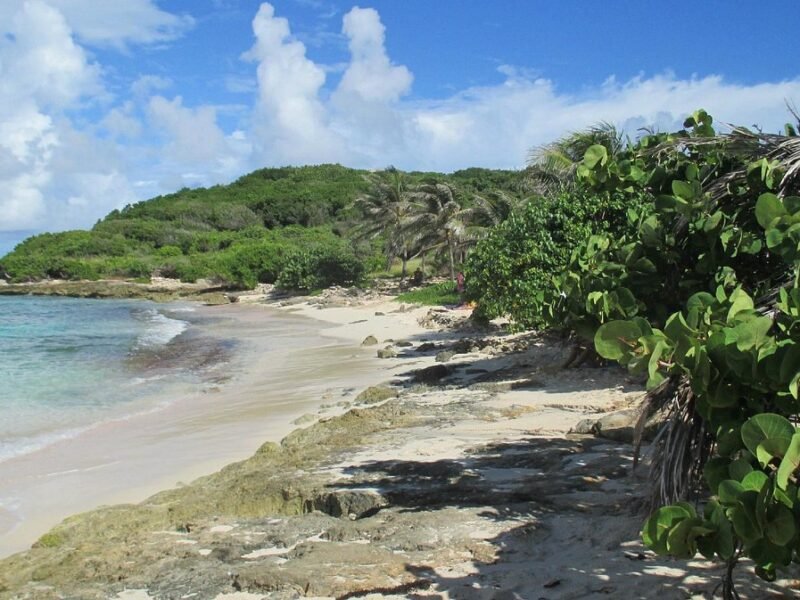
(67, 364)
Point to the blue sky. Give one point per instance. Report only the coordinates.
(105, 103)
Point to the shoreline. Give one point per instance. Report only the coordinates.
(457, 470)
(110, 462)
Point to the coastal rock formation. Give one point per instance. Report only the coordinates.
(160, 290)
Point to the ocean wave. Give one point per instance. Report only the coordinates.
(159, 331)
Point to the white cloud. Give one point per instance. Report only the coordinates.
(146, 84)
(121, 122)
(40, 61)
(196, 150)
(192, 134)
(112, 22)
(291, 121)
(371, 75)
(52, 174)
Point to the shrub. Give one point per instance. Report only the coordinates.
(510, 272)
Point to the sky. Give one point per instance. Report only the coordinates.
(105, 103)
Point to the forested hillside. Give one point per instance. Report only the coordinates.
(295, 221)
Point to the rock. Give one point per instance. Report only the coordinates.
(585, 426)
(445, 355)
(426, 347)
(431, 375)
(388, 352)
(370, 340)
(305, 419)
(345, 503)
(404, 344)
(379, 313)
(376, 393)
(617, 426)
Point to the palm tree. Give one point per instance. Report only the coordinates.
(439, 221)
(494, 207)
(553, 165)
(387, 205)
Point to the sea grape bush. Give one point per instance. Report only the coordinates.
(719, 306)
(511, 272)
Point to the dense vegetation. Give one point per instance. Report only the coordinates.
(698, 290)
(291, 226)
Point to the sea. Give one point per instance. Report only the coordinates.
(70, 364)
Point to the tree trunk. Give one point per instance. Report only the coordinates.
(452, 257)
(404, 272)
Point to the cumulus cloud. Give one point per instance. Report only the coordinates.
(41, 62)
(54, 174)
(370, 74)
(112, 23)
(291, 120)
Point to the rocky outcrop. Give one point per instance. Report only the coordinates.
(158, 291)
(375, 394)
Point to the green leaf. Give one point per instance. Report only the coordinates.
(792, 204)
(729, 439)
(729, 491)
(615, 339)
(793, 385)
(683, 189)
(765, 426)
(790, 365)
(595, 154)
(740, 301)
(681, 538)
(657, 528)
(754, 481)
(780, 527)
(768, 209)
(743, 517)
(753, 333)
(790, 462)
(740, 468)
(770, 449)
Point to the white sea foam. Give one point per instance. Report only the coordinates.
(160, 330)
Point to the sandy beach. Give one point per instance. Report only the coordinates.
(449, 469)
(286, 365)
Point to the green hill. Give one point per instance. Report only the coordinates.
(291, 220)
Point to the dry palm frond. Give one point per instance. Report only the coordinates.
(682, 445)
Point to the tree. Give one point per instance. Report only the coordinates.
(440, 222)
(554, 165)
(387, 206)
(495, 207)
